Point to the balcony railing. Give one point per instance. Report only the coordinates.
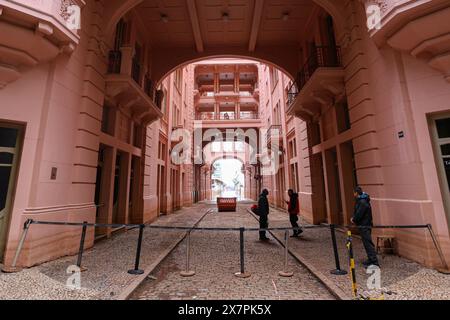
(205, 116)
(114, 61)
(136, 70)
(322, 57)
(249, 115)
(149, 88)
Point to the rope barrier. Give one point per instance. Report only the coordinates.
(243, 274)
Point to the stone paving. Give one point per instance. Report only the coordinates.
(215, 258)
(107, 263)
(405, 279)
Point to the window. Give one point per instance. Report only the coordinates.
(343, 117)
(108, 120)
(178, 78)
(274, 77)
(443, 128)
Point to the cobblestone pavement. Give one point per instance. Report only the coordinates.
(404, 278)
(215, 258)
(107, 263)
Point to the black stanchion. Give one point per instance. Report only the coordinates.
(136, 270)
(242, 274)
(80, 251)
(338, 271)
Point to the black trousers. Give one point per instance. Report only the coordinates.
(366, 235)
(263, 224)
(293, 218)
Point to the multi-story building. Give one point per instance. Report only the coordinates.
(87, 110)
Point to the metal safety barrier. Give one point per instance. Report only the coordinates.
(187, 272)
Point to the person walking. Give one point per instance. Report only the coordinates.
(263, 211)
(363, 219)
(294, 211)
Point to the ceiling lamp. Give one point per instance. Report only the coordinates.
(164, 18)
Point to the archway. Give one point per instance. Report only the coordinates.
(286, 53)
(227, 178)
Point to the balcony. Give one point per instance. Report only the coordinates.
(246, 119)
(128, 88)
(34, 32)
(420, 28)
(209, 98)
(319, 81)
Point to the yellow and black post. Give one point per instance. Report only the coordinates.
(352, 264)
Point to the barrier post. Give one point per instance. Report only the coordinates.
(286, 273)
(13, 267)
(187, 272)
(352, 264)
(242, 274)
(444, 268)
(338, 271)
(80, 251)
(136, 270)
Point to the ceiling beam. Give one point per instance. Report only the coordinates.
(257, 16)
(193, 15)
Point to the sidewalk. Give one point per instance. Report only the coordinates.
(107, 263)
(404, 278)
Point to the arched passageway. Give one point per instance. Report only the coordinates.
(190, 31)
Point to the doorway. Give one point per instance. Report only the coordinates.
(11, 137)
(440, 132)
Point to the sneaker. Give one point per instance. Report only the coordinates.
(264, 239)
(295, 235)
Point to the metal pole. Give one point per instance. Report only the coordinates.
(352, 264)
(136, 270)
(242, 274)
(439, 250)
(286, 273)
(187, 272)
(13, 267)
(80, 251)
(338, 270)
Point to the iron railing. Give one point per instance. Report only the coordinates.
(322, 57)
(149, 88)
(136, 70)
(114, 61)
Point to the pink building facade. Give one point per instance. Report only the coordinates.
(88, 104)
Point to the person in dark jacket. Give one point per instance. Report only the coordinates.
(362, 217)
(294, 211)
(263, 211)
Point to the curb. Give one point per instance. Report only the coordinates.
(128, 291)
(334, 290)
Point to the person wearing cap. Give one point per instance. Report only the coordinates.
(362, 218)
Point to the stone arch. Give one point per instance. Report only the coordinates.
(116, 9)
(164, 65)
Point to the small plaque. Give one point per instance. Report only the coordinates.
(54, 173)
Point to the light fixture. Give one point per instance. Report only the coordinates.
(285, 16)
(225, 16)
(164, 18)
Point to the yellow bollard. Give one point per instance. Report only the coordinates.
(352, 265)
